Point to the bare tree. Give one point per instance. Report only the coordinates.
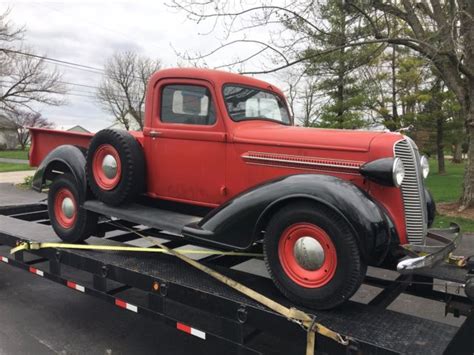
(25, 119)
(442, 31)
(24, 78)
(123, 87)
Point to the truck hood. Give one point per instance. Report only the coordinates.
(269, 133)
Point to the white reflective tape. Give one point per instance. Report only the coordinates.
(4, 259)
(80, 288)
(132, 308)
(198, 333)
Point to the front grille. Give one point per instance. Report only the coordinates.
(412, 191)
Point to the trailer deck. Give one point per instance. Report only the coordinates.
(164, 288)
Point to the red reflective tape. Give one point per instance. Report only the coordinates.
(185, 328)
(120, 303)
(71, 284)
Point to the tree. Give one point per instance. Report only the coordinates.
(25, 119)
(123, 87)
(24, 78)
(341, 80)
(442, 31)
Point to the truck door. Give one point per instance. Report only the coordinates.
(186, 144)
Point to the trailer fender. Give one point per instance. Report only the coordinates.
(65, 158)
(239, 222)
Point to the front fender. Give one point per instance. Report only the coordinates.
(238, 223)
(63, 159)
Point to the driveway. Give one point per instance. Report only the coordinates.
(15, 177)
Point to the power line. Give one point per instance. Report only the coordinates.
(56, 61)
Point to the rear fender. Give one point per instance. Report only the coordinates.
(63, 159)
(240, 222)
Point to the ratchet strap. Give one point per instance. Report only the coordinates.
(305, 320)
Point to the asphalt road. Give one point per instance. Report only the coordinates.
(40, 317)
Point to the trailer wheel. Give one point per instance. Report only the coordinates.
(70, 222)
(312, 256)
(115, 166)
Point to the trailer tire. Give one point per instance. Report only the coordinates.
(313, 256)
(69, 220)
(115, 167)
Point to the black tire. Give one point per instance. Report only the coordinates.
(132, 162)
(348, 272)
(85, 222)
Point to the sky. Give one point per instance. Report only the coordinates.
(88, 32)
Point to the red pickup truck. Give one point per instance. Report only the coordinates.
(323, 203)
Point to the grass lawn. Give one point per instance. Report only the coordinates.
(467, 225)
(447, 188)
(5, 167)
(14, 154)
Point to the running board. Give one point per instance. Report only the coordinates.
(161, 219)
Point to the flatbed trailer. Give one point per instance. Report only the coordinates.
(163, 287)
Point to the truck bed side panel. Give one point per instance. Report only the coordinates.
(45, 140)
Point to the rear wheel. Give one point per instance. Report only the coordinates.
(70, 222)
(312, 256)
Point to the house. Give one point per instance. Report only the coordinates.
(75, 128)
(8, 133)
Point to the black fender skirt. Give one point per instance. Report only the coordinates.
(65, 158)
(238, 223)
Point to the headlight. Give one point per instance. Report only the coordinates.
(425, 166)
(398, 172)
(384, 171)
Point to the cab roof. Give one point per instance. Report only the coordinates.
(216, 77)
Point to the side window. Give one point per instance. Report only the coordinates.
(189, 104)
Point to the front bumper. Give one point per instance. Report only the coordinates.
(425, 256)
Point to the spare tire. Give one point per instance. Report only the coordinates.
(115, 166)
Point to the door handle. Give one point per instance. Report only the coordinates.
(154, 134)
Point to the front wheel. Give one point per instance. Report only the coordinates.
(71, 223)
(312, 256)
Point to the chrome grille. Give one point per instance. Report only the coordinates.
(412, 191)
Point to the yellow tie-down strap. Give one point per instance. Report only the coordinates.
(307, 321)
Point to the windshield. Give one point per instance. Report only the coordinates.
(247, 103)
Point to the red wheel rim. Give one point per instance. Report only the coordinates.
(286, 252)
(106, 182)
(62, 201)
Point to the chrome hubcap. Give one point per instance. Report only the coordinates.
(309, 253)
(109, 166)
(68, 207)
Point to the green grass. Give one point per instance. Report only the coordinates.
(6, 167)
(448, 188)
(445, 188)
(467, 225)
(14, 154)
